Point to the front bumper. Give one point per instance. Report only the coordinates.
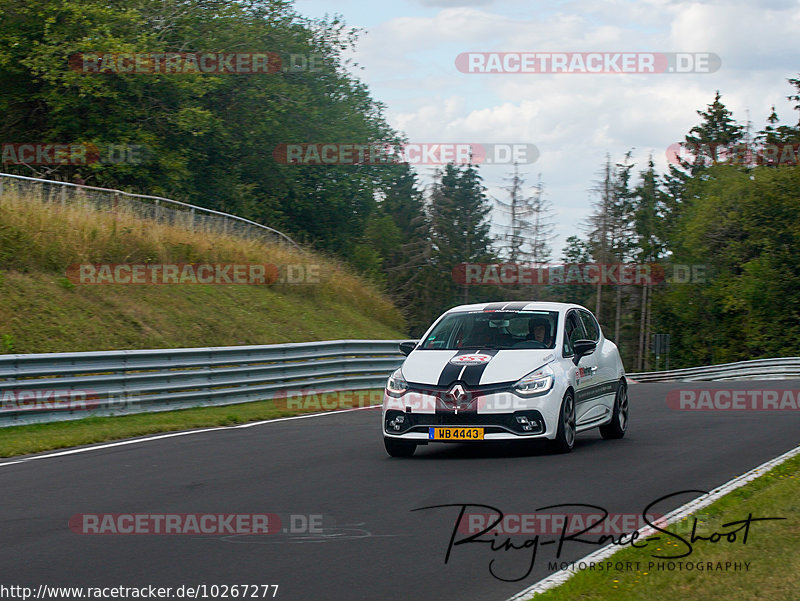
(498, 410)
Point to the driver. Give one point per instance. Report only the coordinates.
(537, 330)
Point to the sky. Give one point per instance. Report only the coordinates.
(407, 56)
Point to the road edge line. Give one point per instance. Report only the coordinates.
(129, 441)
(560, 577)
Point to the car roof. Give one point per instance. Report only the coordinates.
(517, 306)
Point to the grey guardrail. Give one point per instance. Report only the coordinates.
(757, 369)
(62, 386)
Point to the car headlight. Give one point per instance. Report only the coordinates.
(396, 385)
(536, 383)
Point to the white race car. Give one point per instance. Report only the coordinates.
(506, 371)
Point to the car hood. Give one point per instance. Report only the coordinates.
(473, 367)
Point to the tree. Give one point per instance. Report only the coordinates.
(410, 275)
(780, 135)
(528, 235)
(742, 227)
(458, 210)
(575, 252)
(648, 208)
(211, 139)
(714, 137)
(610, 226)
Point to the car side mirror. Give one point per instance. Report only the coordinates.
(581, 348)
(407, 347)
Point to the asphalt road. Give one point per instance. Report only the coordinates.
(371, 545)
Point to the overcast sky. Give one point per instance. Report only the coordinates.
(574, 119)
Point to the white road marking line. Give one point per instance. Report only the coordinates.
(681, 512)
(122, 443)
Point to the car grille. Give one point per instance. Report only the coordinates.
(493, 423)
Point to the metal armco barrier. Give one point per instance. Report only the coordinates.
(62, 386)
(758, 369)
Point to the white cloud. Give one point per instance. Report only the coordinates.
(576, 119)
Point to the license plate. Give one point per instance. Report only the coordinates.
(455, 433)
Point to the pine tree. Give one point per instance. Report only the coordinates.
(716, 135)
(408, 267)
(458, 210)
(708, 141)
(541, 227)
(649, 204)
(610, 227)
(528, 235)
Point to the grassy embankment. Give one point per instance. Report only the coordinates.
(42, 311)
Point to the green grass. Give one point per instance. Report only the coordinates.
(42, 311)
(771, 549)
(38, 315)
(20, 440)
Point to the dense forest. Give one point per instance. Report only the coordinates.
(729, 204)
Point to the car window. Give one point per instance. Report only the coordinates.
(590, 326)
(494, 329)
(445, 332)
(573, 330)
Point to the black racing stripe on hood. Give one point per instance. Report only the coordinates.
(494, 306)
(472, 375)
(450, 372)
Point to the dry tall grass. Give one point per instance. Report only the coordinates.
(39, 236)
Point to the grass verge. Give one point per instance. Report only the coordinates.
(771, 550)
(34, 438)
(42, 311)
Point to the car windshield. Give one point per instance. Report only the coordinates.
(494, 330)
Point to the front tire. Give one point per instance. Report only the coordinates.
(619, 418)
(399, 448)
(565, 435)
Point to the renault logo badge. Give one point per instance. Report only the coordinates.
(457, 393)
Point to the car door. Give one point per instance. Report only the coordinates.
(597, 372)
(586, 368)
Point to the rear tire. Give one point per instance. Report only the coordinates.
(619, 419)
(399, 448)
(565, 435)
